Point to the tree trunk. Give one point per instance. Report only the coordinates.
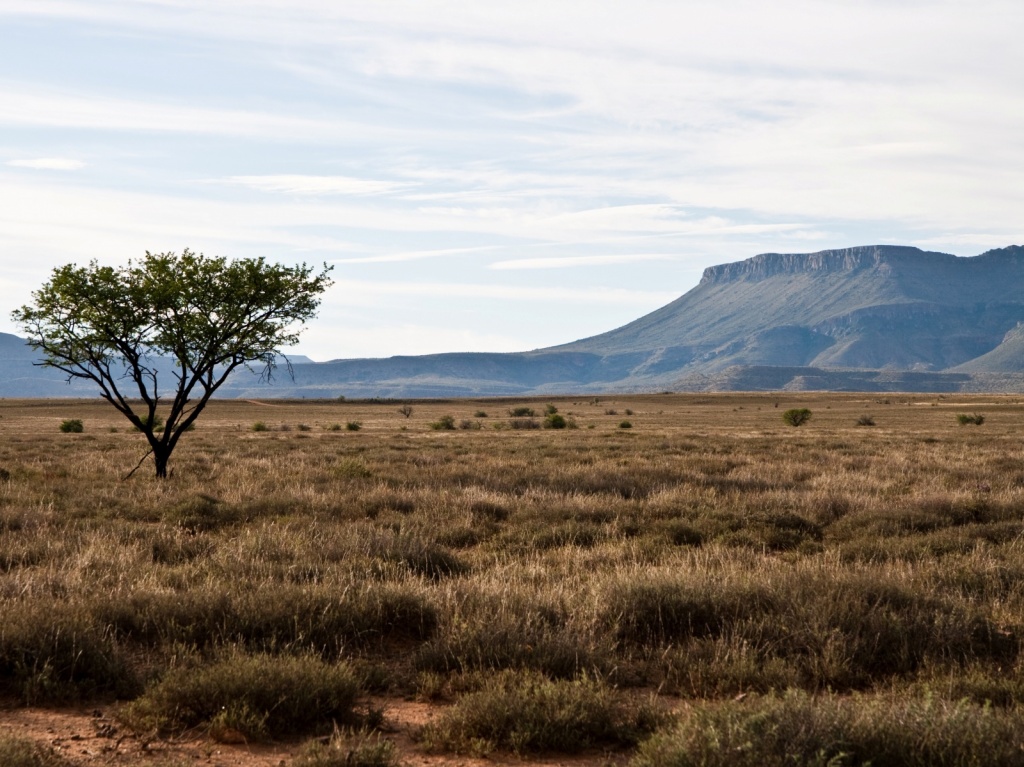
(160, 457)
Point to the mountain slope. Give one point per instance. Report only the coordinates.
(869, 307)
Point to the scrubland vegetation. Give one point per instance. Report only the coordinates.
(710, 586)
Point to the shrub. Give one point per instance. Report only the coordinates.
(550, 409)
(353, 426)
(865, 420)
(258, 696)
(521, 412)
(797, 416)
(56, 653)
(72, 426)
(260, 426)
(523, 423)
(444, 423)
(480, 414)
(334, 427)
(963, 419)
(625, 425)
(467, 424)
(406, 410)
(555, 421)
(304, 427)
(527, 712)
(885, 731)
(156, 422)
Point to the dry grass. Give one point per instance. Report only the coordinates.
(710, 550)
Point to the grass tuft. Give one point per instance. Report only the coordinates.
(257, 696)
(528, 713)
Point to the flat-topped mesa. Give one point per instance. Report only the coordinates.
(826, 261)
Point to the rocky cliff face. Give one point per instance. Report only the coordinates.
(882, 257)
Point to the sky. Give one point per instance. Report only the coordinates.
(491, 176)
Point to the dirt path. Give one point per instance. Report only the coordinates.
(92, 736)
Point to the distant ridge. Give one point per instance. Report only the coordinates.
(873, 318)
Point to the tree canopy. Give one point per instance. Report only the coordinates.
(169, 328)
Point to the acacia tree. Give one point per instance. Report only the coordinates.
(198, 318)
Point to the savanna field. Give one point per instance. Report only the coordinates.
(666, 580)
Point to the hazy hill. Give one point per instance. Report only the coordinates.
(879, 318)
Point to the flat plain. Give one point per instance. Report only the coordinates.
(332, 582)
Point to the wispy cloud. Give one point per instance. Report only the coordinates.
(578, 261)
(411, 255)
(22, 104)
(315, 186)
(546, 294)
(48, 163)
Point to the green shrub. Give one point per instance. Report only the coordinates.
(334, 427)
(259, 696)
(963, 419)
(865, 420)
(550, 409)
(480, 414)
(260, 426)
(526, 712)
(467, 424)
(521, 412)
(882, 731)
(555, 421)
(72, 426)
(304, 427)
(353, 426)
(625, 425)
(156, 422)
(797, 416)
(444, 423)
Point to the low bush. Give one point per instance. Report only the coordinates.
(882, 731)
(521, 412)
(72, 426)
(257, 696)
(480, 414)
(444, 423)
(353, 426)
(625, 425)
(797, 416)
(523, 423)
(964, 419)
(260, 426)
(526, 712)
(56, 653)
(865, 420)
(555, 421)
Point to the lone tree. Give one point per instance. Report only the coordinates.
(197, 318)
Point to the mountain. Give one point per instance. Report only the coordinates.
(877, 318)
